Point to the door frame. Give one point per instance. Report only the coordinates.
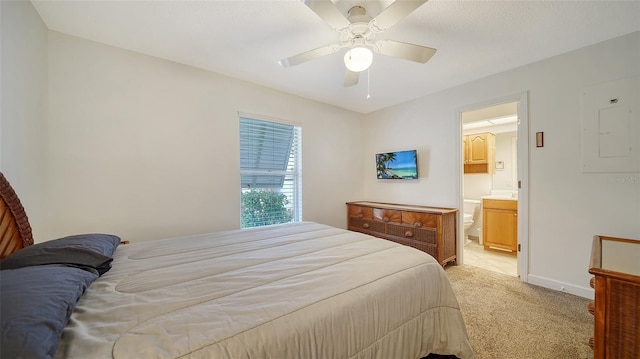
(522, 99)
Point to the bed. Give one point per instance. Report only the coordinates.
(300, 290)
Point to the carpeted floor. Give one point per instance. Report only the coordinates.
(508, 319)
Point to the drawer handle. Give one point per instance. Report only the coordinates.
(591, 307)
(408, 234)
(418, 224)
(359, 215)
(592, 282)
(385, 219)
(366, 225)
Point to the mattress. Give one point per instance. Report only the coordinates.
(301, 290)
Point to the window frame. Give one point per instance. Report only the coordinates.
(291, 171)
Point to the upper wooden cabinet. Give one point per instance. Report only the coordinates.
(479, 153)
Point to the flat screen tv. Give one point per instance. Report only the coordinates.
(397, 165)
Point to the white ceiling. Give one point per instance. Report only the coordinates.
(245, 39)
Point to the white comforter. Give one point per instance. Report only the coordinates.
(300, 290)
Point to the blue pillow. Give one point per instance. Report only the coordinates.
(69, 256)
(90, 252)
(104, 244)
(36, 305)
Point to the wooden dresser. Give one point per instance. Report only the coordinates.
(429, 229)
(615, 264)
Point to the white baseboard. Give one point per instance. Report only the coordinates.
(585, 292)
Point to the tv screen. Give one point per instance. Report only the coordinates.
(397, 165)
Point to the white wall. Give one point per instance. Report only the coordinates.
(23, 104)
(566, 207)
(504, 178)
(420, 125)
(477, 185)
(146, 148)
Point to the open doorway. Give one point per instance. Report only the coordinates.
(492, 174)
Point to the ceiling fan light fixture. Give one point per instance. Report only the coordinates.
(358, 58)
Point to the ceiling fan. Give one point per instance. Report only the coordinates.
(358, 33)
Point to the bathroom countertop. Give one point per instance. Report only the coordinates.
(501, 197)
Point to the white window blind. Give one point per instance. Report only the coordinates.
(270, 172)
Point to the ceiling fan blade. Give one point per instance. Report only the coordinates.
(328, 12)
(403, 50)
(309, 55)
(350, 78)
(395, 12)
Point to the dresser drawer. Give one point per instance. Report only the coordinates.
(365, 225)
(360, 212)
(387, 215)
(500, 204)
(417, 219)
(430, 249)
(422, 235)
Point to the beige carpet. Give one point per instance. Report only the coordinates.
(508, 319)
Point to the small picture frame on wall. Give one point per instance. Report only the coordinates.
(539, 139)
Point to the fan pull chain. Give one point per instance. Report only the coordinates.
(368, 84)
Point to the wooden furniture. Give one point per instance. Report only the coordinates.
(429, 229)
(500, 224)
(15, 230)
(615, 263)
(479, 153)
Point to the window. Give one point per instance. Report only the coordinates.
(270, 172)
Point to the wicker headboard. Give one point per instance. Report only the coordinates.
(15, 231)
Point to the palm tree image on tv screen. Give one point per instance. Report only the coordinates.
(397, 165)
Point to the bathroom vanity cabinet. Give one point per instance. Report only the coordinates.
(429, 229)
(615, 264)
(500, 224)
(479, 153)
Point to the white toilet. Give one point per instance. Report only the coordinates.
(469, 212)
